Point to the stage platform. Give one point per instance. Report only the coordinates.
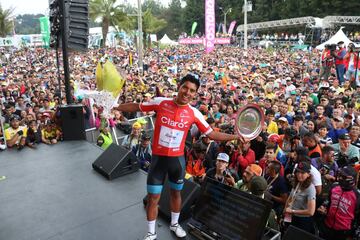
(52, 193)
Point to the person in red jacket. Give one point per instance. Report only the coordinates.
(340, 62)
(342, 208)
(270, 156)
(242, 157)
(352, 63)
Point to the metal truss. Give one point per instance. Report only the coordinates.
(328, 22)
(310, 21)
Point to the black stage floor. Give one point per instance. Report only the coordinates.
(53, 193)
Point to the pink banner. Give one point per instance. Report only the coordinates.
(191, 41)
(222, 40)
(202, 41)
(210, 25)
(232, 26)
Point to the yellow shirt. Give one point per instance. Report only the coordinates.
(10, 132)
(272, 128)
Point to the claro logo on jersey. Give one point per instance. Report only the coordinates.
(173, 123)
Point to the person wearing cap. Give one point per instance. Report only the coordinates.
(143, 151)
(134, 137)
(346, 153)
(258, 187)
(300, 206)
(220, 172)
(339, 56)
(50, 134)
(105, 139)
(15, 135)
(341, 210)
(301, 154)
(250, 171)
(298, 125)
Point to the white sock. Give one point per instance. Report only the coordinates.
(151, 226)
(174, 218)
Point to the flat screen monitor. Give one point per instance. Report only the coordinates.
(231, 213)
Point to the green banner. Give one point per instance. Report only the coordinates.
(45, 31)
(194, 25)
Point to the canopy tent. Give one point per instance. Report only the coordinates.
(166, 40)
(339, 36)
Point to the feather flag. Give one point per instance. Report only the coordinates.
(194, 25)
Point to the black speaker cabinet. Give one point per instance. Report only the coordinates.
(189, 194)
(73, 125)
(294, 233)
(116, 161)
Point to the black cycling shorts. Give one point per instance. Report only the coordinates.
(162, 165)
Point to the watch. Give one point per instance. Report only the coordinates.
(292, 211)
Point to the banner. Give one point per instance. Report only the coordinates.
(6, 42)
(194, 25)
(45, 31)
(210, 25)
(231, 28)
(202, 41)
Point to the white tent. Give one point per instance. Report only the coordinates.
(339, 36)
(166, 40)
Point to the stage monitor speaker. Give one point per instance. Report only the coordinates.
(73, 125)
(189, 194)
(294, 233)
(116, 161)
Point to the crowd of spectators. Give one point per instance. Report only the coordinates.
(305, 160)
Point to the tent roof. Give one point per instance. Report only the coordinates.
(339, 36)
(166, 40)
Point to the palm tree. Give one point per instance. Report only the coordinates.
(152, 24)
(6, 22)
(110, 13)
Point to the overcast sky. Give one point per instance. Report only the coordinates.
(41, 6)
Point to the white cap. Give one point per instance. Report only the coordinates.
(283, 119)
(223, 157)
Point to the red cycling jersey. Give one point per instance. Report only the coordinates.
(172, 125)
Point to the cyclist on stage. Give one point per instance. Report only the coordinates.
(174, 118)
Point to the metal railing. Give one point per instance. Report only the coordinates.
(93, 133)
(2, 120)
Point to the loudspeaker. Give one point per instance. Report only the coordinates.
(189, 194)
(77, 24)
(116, 161)
(73, 125)
(294, 233)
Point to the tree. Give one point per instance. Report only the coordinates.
(6, 23)
(28, 24)
(151, 24)
(194, 12)
(175, 19)
(109, 12)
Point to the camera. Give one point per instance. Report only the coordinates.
(332, 47)
(226, 172)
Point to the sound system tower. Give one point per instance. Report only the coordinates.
(73, 125)
(189, 194)
(116, 161)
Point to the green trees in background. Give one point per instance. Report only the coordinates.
(6, 21)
